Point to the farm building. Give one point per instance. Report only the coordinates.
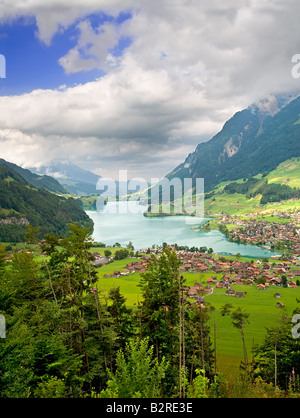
(239, 294)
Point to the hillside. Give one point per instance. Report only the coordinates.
(262, 195)
(38, 181)
(22, 204)
(287, 172)
(251, 142)
(277, 191)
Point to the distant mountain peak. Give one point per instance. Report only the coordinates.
(273, 103)
(76, 179)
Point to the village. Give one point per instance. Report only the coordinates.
(213, 271)
(271, 235)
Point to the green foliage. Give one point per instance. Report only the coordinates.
(242, 188)
(121, 254)
(64, 340)
(32, 234)
(270, 192)
(138, 373)
(60, 336)
(160, 308)
(277, 192)
(121, 317)
(226, 309)
(223, 228)
(107, 253)
(2, 257)
(39, 182)
(199, 353)
(51, 387)
(239, 317)
(218, 387)
(277, 358)
(40, 208)
(198, 387)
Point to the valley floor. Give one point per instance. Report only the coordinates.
(215, 275)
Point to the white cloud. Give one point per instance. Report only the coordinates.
(53, 15)
(190, 66)
(92, 47)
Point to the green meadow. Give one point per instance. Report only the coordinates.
(128, 284)
(239, 205)
(287, 172)
(260, 304)
(263, 314)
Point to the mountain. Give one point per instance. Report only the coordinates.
(262, 195)
(79, 181)
(38, 181)
(255, 140)
(22, 204)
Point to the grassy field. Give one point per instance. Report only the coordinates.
(287, 172)
(263, 314)
(233, 204)
(260, 304)
(237, 204)
(128, 284)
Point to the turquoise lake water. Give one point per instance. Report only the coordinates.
(111, 226)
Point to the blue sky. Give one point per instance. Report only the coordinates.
(31, 64)
(136, 84)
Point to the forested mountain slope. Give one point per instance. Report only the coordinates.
(251, 142)
(38, 181)
(21, 204)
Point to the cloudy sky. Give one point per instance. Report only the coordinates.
(135, 84)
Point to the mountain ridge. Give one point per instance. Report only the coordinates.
(22, 204)
(38, 181)
(250, 142)
(77, 180)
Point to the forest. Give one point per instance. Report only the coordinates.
(41, 208)
(269, 192)
(64, 339)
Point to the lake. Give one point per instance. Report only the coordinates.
(124, 221)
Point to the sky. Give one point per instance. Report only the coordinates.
(136, 84)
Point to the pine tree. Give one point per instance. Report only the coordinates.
(122, 317)
(159, 310)
(82, 317)
(160, 306)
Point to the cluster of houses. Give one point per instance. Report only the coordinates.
(224, 272)
(100, 261)
(238, 271)
(256, 232)
(139, 265)
(199, 291)
(259, 274)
